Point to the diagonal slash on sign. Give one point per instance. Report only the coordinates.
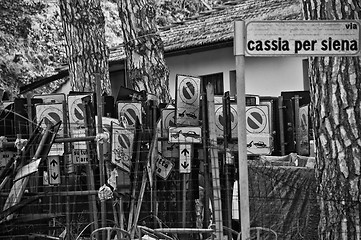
(130, 114)
(255, 121)
(188, 90)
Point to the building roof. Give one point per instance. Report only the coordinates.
(216, 26)
(208, 29)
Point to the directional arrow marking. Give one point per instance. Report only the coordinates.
(53, 162)
(185, 152)
(185, 165)
(54, 176)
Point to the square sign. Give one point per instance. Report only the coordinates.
(122, 141)
(163, 167)
(185, 156)
(187, 100)
(303, 38)
(52, 113)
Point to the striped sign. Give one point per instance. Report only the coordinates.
(122, 146)
(51, 114)
(131, 111)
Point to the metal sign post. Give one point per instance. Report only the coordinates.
(239, 52)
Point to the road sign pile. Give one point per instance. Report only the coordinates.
(64, 166)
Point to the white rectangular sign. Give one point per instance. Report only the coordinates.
(185, 156)
(80, 152)
(185, 134)
(187, 100)
(122, 141)
(304, 38)
(54, 170)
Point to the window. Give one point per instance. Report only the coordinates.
(215, 79)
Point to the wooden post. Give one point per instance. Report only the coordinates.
(217, 203)
(226, 164)
(142, 188)
(99, 144)
(89, 170)
(239, 52)
(138, 141)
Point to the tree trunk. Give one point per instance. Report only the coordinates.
(336, 94)
(146, 68)
(84, 28)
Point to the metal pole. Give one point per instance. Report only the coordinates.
(206, 217)
(282, 130)
(297, 123)
(227, 166)
(239, 52)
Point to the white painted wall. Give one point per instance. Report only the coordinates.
(266, 76)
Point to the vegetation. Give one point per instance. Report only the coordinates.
(32, 43)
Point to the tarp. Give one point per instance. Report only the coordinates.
(283, 198)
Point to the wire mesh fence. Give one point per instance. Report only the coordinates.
(160, 181)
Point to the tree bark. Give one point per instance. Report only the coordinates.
(336, 94)
(146, 68)
(84, 29)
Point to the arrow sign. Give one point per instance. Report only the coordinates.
(185, 152)
(53, 162)
(54, 176)
(53, 170)
(185, 157)
(185, 165)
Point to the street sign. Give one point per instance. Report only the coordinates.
(5, 156)
(122, 146)
(131, 111)
(80, 153)
(170, 150)
(185, 156)
(220, 121)
(303, 134)
(15, 194)
(163, 167)
(303, 38)
(259, 144)
(187, 100)
(51, 113)
(168, 120)
(257, 119)
(185, 135)
(53, 170)
(76, 110)
(51, 98)
(28, 169)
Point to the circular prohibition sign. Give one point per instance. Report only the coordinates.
(188, 90)
(221, 121)
(130, 112)
(51, 114)
(256, 120)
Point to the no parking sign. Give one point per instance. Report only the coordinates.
(187, 100)
(122, 146)
(76, 110)
(168, 120)
(131, 111)
(221, 121)
(257, 119)
(51, 114)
